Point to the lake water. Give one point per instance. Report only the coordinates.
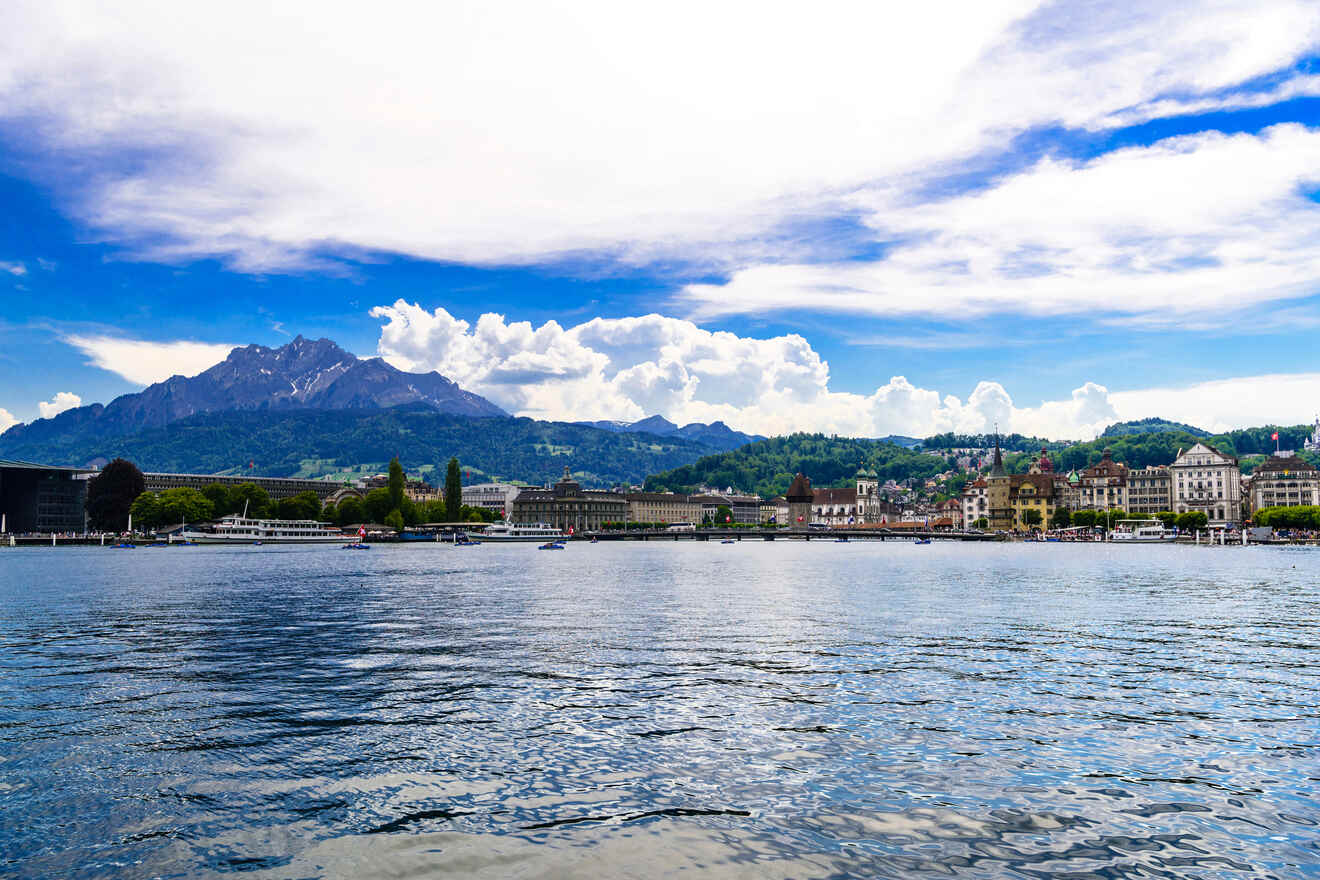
(654, 710)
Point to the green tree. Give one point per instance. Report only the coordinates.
(1191, 520)
(1168, 518)
(111, 493)
(184, 505)
(982, 523)
(432, 511)
(394, 520)
(219, 496)
(146, 511)
(1031, 518)
(329, 513)
(1061, 518)
(251, 497)
(397, 483)
(723, 515)
(350, 510)
(1084, 518)
(377, 505)
(453, 492)
(304, 505)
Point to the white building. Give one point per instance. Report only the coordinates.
(1207, 480)
(975, 503)
(1284, 480)
(496, 497)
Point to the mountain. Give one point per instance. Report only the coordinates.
(312, 443)
(716, 435)
(304, 374)
(1150, 426)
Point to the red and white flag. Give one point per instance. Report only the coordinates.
(1274, 436)
(362, 531)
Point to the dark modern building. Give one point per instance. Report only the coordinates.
(43, 498)
(276, 487)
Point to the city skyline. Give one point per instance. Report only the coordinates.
(870, 222)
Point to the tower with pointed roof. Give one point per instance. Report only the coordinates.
(997, 493)
(799, 497)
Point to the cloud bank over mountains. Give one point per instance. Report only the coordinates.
(627, 368)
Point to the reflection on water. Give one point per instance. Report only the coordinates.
(647, 710)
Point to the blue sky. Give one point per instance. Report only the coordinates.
(1043, 215)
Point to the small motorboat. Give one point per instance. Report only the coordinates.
(921, 541)
(553, 545)
(357, 546)
(843, 540)
(124, 547)
(728, 541)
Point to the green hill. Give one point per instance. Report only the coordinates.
(315, 442)
(1151, 426)
(767, 466)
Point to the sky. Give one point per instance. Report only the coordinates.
(857, 218)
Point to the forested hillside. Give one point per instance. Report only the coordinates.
(768, 466)
(281, 443)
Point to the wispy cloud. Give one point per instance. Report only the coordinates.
(16, 269)
(146, 361)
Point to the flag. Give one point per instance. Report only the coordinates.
(362, 531)
(1274, 436)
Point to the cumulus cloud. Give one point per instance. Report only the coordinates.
(59, 403)
(7, 420)
(506, 132)
(144, 361)
(629, 368)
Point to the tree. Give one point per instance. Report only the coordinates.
(1191, 520)
(397, 483)
(250, 497)
(146, 511)
(184, 505)
(1083, 518)
(453, 492)
(1031, 518)
(350, 510)
(1061, 518)
(1168, 518)
(111, 493)
(723, 515)
(220, 496)
(981, 523)
(394, 520)
(329, 513)
(377, 505)
(304, 505)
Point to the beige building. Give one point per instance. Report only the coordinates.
(566, 505)
(1150, 490)
(1103, 486)
(1284, 480)
(998, 495)
(1207, 480)
(662, 507)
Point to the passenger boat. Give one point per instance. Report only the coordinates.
(1141, 531)
(507, 532)
(237, 529)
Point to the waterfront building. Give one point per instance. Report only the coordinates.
(869, 506)
(998, 493)
(495, 497)
(418, 491)
(768, 510)
(43, 498)
(975, 505)
(1150, 490)
(276, 487)
(1031, 492)
(1284, 480)
(835, 507)
(662, 507)
(949, 514)
(799, 497)
(567, 506)
(1208, 481)
(1103, 486)
(745, 508)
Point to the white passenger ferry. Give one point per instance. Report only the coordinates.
(1145, 531)
(237, 529)
(506, 532)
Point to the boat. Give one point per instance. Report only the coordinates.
(510, 532)
(357, 546)
(921, 541)
(124, 547)
(553, 545)
(1140, 531)
(237, 529)
(461, 539)
(728, 541)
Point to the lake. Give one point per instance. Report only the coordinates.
(787, 709)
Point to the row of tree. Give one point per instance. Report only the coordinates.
(1063, 518)
(1303, 517)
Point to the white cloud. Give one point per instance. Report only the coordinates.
(144, 361)
(7, 420)
(15, 269)
(1184, 228)
(62, 401)
(495, 131)
(627, 368)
